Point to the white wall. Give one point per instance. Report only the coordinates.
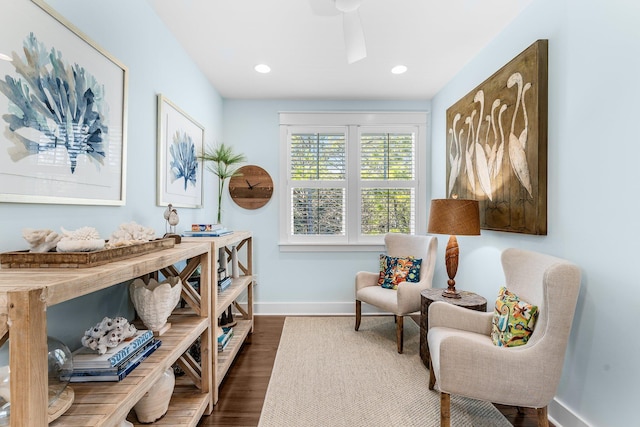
(316, 282)
(592, 184)
(130, 31)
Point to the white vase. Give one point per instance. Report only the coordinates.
(154, 404)
(155, 301)
(235, 273)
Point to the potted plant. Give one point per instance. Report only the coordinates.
(224, 163)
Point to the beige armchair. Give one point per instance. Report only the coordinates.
(464, 360)
(406, 299)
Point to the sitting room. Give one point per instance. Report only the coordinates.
(387, 189)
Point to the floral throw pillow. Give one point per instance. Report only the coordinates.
(513, 320)
(394, 270)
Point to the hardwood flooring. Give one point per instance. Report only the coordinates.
(243, 389)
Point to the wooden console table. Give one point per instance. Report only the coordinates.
(468, 300)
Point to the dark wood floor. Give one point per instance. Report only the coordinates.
(243, 389)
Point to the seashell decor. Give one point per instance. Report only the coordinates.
(129, 234)
(154, 404)
(154, 301)
(40, 240)
(84, 239)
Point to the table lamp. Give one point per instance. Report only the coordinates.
(454, 217)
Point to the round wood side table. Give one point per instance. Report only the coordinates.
(467, 299)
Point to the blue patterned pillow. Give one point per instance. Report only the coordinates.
(394, 270)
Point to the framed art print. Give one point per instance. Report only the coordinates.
(497, 145)
(63, 109)
(180, 142)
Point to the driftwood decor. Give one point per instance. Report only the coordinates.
(497, 145)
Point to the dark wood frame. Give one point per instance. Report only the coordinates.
(512, 192)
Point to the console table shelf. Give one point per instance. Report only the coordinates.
(24, 296)
(221, 301)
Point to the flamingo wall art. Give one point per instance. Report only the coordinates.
(497, 145)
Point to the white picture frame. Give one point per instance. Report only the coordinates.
(63, 122)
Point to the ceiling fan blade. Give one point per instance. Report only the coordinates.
(353, 37)
(324, 7)
(347, 5)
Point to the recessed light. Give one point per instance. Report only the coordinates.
(262, 68)
(5, 57)
(399, 69)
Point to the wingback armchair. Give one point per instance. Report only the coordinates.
(405, 299)
(465, 361)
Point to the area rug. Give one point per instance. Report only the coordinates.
(327, 374)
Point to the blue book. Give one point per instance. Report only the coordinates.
(121, 373)
(86, 358)
(217, 233)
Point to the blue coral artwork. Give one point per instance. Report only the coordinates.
(62, 112)
(180, 142)
(184, 160)
(61, 103)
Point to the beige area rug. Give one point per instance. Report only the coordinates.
(328, 375)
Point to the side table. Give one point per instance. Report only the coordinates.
(468, 300)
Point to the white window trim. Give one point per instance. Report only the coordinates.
(352, 123)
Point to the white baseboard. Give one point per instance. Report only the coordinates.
(561, 416)
(312, 309)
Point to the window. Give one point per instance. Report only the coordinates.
(349, 178)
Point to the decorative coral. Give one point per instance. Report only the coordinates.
(40, 240)
(107, 334)
(130, 234)
(84, 239)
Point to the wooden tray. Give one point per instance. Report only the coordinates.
(26, 259)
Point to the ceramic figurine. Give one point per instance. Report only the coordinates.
(84, 239)
(171, 216)
(40, 240)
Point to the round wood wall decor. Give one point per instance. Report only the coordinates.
(252, 188)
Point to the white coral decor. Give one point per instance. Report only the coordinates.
(155, 301)
(130, 234)
(84, 239)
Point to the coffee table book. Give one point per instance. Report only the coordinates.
(116, 374)
(86, 358)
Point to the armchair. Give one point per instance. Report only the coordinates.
(406, 299)
(464, 360)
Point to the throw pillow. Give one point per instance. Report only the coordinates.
(513, 320)
(394, 270)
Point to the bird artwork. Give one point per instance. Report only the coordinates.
(501, 159)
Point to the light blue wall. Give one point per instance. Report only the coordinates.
(316, 282)
(592, 180)
(130, 31)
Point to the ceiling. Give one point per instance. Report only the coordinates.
(306, 51)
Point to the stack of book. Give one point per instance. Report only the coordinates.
(116, 363)
(224, 338)
(206, 230)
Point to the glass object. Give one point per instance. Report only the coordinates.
(60, 366)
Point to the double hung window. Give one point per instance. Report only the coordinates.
(349, 178)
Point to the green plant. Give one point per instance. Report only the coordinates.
(224, 163)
